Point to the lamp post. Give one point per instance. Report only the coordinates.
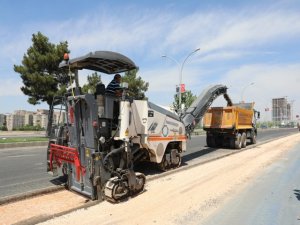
(180, 72)
(242, 95)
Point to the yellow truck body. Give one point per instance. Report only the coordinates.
(231, 117)
(230, 126)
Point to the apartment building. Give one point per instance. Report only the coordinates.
(28, 118)
(2, 119)
(40, 120)
(14, 121)
(20, 118)
(281, 110)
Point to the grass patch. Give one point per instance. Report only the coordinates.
(22, 139)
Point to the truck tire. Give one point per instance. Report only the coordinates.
(219, 139)
(238, 141)
(253, 137)
(210, 141)
(244, 140)
(232, 142)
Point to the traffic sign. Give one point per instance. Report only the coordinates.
(182, 88)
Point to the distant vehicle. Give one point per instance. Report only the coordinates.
(263, 126)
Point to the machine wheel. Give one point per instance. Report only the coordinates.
(175, 158)
(238, 141)
(244, 140)
(119, 192)
(164, 165)
(170, 160)
(141, 180)
(115, 190)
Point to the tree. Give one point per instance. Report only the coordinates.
(187, 99)
(136, 86)
(93, 80)
(40, 72)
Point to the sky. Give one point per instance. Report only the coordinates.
(252, 47)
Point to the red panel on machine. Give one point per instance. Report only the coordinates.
(62, 154)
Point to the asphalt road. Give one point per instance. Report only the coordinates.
(272, 199)
(24, 169)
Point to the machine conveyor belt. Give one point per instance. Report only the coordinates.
(196, 111)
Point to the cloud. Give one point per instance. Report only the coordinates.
(224, 37)
(149, 33)
(270, 81)
(10, 87)
(220, 30)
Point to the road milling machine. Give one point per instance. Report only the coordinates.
(104, 135)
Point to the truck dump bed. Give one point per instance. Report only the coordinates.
(232, 117)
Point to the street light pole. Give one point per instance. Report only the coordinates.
(180, 79)
(180, 73)
(174, 60)
(242, 95)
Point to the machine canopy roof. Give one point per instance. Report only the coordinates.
(101, 61)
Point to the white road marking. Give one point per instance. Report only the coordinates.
(19, 156)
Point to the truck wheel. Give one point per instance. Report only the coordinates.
(210, 141)
(253, 137)
(244, 140)
(238, 141)
(232, 143)
(219, 141)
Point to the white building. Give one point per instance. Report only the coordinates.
(28, 118)
(21, 118)
(40, 120)
(14, 121)
(2, 119)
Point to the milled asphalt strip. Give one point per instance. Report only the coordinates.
(30, 194)
(18, 197)
(192, 165)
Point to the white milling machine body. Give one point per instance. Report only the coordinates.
(155, 131)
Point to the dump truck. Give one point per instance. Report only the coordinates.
(104, 136)
(231, 126)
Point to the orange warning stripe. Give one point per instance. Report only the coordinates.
(169, 138)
